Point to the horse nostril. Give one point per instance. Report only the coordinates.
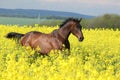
(81, 38)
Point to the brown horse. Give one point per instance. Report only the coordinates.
(53, 40)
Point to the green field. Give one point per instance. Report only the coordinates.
(28, 21)
(19, 21)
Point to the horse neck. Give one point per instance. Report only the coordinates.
(64, 32)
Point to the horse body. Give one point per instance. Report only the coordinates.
(46, 42)
(53, 40)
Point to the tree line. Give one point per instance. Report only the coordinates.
(105, 21)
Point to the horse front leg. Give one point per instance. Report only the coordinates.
(67, 44)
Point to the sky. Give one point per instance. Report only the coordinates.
(87, 7)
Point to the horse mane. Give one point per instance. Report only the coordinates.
(69, 19)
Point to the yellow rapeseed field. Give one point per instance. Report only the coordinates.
(96, 58)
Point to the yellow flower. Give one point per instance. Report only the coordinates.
(96, 58)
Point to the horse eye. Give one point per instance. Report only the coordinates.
(78, 26)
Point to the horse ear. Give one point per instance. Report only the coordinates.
(80, 19)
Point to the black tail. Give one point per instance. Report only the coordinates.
(14, 35)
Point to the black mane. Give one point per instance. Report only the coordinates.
(67, 20)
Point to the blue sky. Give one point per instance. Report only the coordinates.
(89, 7)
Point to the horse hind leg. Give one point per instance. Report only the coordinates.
(44, 51)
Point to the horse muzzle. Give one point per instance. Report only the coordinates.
(81, 39)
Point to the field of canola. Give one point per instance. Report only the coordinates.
(96, 58)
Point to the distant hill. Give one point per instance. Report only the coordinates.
(31, 13)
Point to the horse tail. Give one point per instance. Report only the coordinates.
(14, 35)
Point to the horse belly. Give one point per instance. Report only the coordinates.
(49, 44)
(44, 47)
